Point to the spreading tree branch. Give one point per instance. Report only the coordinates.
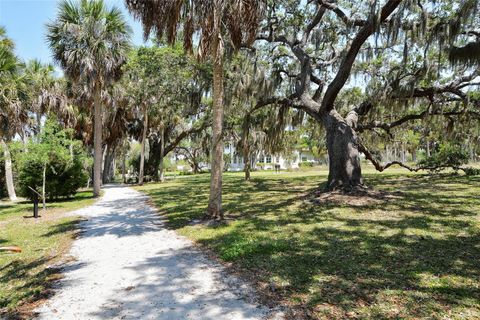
(346, 65)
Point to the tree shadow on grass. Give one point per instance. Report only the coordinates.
(357, 267)
(28, 281)
(67, 226)
(415, 256)
(186, 201)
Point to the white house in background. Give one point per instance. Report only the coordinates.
(266, 161)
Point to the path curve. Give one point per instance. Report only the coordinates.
(129, 266)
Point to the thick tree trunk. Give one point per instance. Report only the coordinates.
(214, 209)
(111, 176)
(8, 172)
(344, 160)
(153, 163)
(162, 150)
(142, 150)
(108, 164)
(97, 145)
(247, 162)
(195, 167)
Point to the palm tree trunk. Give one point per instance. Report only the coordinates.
(124, 160)
(97, 145)
(142, 151)
(214, 209)
(106, 165)
(8, 172)
(113, 165)
(44, 178)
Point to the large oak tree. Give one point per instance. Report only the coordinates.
(397, 51)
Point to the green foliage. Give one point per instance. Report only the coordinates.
(95, 46)
(448, 156)
(306, 164)
(470, 171)
(261, 165)
(62, 158)
(227, 158)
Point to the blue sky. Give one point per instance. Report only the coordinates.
(25, 23)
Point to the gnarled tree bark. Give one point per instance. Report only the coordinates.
(344, 157)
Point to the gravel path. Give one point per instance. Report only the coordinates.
(129, 266)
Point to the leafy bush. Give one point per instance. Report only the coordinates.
(469, 171)
(185, 173)
(306, 164)
(448, 156)
(63, 159)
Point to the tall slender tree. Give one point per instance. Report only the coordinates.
(214, 21)
(12, 115)
(90, 42)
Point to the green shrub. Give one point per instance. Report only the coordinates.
(63, 159)
(469, 171)
(185, 173)
(306, 164)
(448, 156)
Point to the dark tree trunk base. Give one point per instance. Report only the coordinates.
(213, 214)
(344, 159)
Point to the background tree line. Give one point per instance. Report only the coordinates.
(393, 82)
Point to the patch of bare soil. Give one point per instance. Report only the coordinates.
(356, 197)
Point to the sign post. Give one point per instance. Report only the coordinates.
(35, 202)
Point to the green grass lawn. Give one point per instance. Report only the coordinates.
(25, 276)
(414, 257)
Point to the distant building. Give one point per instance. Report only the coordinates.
(258, 160)
(265, 161)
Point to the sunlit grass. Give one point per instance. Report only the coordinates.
(414, 257)
(24, 276)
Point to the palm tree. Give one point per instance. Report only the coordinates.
(12, 115)
(90, 42)
(213, 21)
(41, 89)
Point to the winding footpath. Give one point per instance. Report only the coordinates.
(129, 266)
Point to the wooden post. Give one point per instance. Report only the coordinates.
(35, 201)
(35, 205)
